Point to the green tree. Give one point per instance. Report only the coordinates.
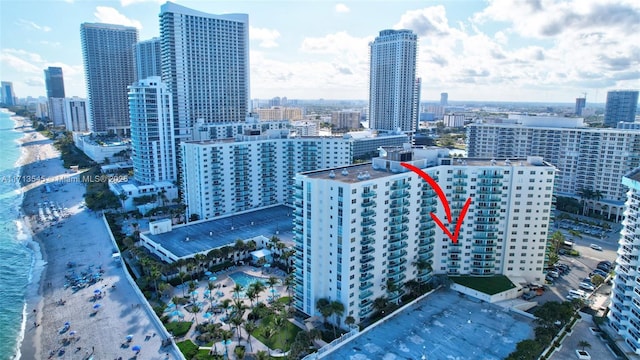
(584, 344)
(323, 305)
(250, 327)
(526, 350)
(597, 280)
(337, 309)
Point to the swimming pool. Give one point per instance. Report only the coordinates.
(245, 279)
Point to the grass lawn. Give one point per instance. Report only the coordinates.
(178, 328)
(283, 337)
(488, 285)
(188, 348)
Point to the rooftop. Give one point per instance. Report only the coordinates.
(444, 325)
(207, 235)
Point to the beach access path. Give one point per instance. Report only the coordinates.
(105, 309)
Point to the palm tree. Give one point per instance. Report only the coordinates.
(350, 320)
(226, 336)
(380, 303)
(252, 295)
(289, 282)
(194, 309)
(337, 308)
(262, 355)
(324, 307)
(250, 327)
(225, 305)
(181, 275)
(237, 289)
(268, 334)
(237, 322)
(584, 344)
(272, 281)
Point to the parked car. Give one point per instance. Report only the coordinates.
(606, 262)
(528, 296)
(596, 247)
(586, 286)
(604, 267)
(553, 273)
(599, 272)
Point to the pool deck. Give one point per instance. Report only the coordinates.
(444, 325)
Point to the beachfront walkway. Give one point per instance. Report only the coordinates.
(96, 327)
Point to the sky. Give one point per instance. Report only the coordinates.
(498, 50)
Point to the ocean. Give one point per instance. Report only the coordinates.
(18, 258)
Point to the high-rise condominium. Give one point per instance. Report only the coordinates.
(152, 135)
(148, 59)
(580, 104)
(55, 93)
(109, 68)
(8, 97)
(393, 89)
(54, 82)
(364, 231)
(621, 106)
(624, 315)
(205, 63)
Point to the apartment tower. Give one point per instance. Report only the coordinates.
(109, 69)
(362, 232)
(148, 59)
(392, 81)
(152, 133)
(624, 314)
(205, 63)
(621, 106)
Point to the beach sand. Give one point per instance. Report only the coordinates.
(82, 239)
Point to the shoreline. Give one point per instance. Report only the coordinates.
(74, 278)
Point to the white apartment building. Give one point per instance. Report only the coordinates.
(624, 314)
(148, 58)
(454, 120)
(280, 113)
(56, 111)
(152, 133)
(222, 177)
(205, 63)
(76, 114)
(587, 158)
(345, 119)
(393, 87)
(202, 131)
(362, 231)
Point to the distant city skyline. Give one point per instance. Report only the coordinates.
(475, 51)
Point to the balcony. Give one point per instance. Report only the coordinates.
(395, 230)
(365, 285)
(368, 222)
(426, 242)
(395, 238)
(399, 220)
(368, 204)
(399, 212)
(366, 268)
(400, 186)
(367, 250)
(368, 194)
(397, 255)
(367, 231)
(365, 294)
(365, 277)
(398, 246)
(366, 259)
(367, 213)
(425, 253)
(490, 176)
(367, 240)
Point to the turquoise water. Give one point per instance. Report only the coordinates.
(245, 279)
(17, 259)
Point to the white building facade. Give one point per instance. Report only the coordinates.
(362, 231)
(152, 133)
(587, 158)
(76, 114)
(624, 314)
(392, 81)
(205, 63)
(229, 176)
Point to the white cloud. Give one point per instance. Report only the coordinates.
(342, 8)
(336, 43)
(131, 2)
(431, 21)
(267, 37)
(109, 15)
(31, 25)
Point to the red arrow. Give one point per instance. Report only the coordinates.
(445, 204)
(435, 187)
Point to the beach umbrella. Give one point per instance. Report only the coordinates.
(72, 333)
(96, 291)
(96, 306)
(136, 348)
(213, 278)
(208, 273)
(267, 265)
(207, 315)
(67, 324)
(129, 337)
(194, 293)
(272, 290)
